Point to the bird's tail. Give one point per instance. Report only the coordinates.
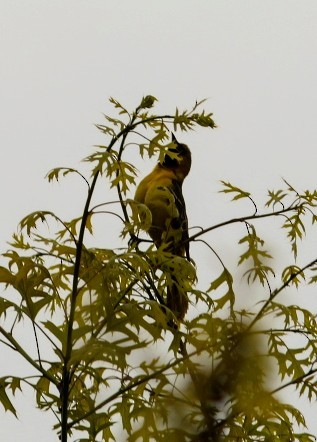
(177, 300)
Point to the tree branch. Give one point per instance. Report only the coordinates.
(242, 220)
(17, 347)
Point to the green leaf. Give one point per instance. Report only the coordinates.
(30, 221)
(204, 120)
(295, 228)
(255, 253)
(4, 399)
(224, 279)
(239, 193)
(293, 275)
(125, 176)
(117, 105)
(183, 120)
(6, 277)
(141, 218)
(275, 197)
(57, 331)
(147, 102)
(54, 174)
(15, 384)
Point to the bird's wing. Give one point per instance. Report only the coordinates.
(181, 222)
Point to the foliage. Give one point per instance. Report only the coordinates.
(117, 353)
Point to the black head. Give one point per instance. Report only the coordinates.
(182, 150)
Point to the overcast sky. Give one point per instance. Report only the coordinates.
(255, 61)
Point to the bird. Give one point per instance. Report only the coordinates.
(161, 192)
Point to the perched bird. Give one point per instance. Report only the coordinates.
(161, 192)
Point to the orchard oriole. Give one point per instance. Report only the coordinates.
(161, 192)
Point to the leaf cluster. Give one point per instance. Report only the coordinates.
(117, 353)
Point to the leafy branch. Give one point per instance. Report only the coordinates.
(102, 310)
(244, 219)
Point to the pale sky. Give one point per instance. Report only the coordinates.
(255, 61)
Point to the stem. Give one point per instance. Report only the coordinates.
(242, 220)
(295, 381)
(277, 291)
(121, 149)
(66, 377)
(17, 347)
(70, 323)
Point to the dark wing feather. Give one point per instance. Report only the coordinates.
(181, 222)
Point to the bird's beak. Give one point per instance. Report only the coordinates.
(174, 139)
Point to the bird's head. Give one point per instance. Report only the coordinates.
(182, 163)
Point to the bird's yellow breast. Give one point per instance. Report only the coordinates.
(159, 177)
